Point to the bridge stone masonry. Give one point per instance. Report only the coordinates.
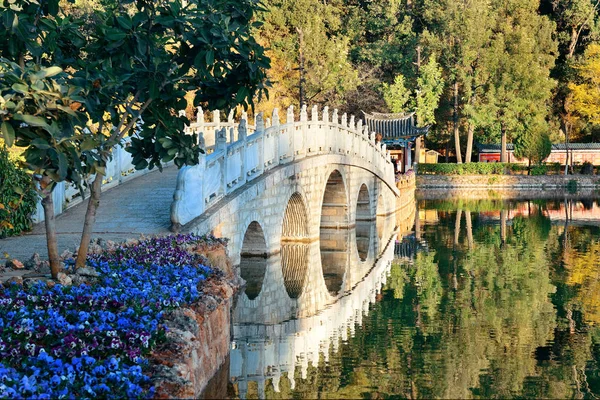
(292, 180)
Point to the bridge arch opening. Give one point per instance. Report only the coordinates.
(334, 211)
(253, 259)
(364, 222)
(333, 233)
(294, 250)
(295, 219)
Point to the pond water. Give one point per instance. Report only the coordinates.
(480, 299)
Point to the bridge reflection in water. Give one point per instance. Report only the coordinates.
(301, 302)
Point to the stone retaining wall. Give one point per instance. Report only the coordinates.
(198, 341)
(507, 181)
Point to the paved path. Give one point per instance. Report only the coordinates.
(140, 206)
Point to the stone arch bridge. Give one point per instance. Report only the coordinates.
(294, 182)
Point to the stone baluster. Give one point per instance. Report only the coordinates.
(221, 146)
(345, 120)
(201, 141)
(271, 140)
(326, 131)
(268, 123)
(230, 117)
(290, 114)
(314, 117)
(242, 137)
(334, 118)
(260, 123)
(231, 135)
(352, 125)
(216, 119)
(200, 116)
(221, 142)
(243, 130)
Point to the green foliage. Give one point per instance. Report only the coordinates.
(538, 170)
(127, 62)
(38, 111)
(533, 144)
(470, 169)
(314, 30)
(584, 99)
(18, 198)
(430, 85)
(396, 95)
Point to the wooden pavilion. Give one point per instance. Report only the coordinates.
(399, 133)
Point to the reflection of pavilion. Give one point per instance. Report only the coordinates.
(289, 324)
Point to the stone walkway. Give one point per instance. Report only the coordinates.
(140, 206)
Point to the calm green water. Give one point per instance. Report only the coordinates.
(482, 300)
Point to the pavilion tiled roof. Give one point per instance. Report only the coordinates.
(394, 127)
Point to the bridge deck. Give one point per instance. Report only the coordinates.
(140, 206)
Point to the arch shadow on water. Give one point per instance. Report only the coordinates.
(333, 233)
(253, 259)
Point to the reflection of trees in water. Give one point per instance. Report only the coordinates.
(496, 332)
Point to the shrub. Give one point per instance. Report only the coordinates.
(92, 341)
(538, 170)
(468, 169)
(587, 168)
(18, 199)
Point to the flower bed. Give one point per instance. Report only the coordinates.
(92, 340)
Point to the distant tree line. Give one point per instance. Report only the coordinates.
(523, 71)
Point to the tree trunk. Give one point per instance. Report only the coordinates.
(566, 124)
(502, 227)
(469, 229)
(469, 152)
(417, 151)
(456, 131)
(447, 150)
(503, 154)
(51, 239)
(90, 219)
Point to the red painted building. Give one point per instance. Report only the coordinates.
(581, 152)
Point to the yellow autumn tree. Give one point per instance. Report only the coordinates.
(584, 99)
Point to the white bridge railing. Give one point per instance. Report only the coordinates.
(237, 154)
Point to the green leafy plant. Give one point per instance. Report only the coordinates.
(126, 61)
(18, 199)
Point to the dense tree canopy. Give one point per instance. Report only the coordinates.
(504, 65)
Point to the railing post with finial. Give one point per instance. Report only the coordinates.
(285, 138)
(221, 149)
(270, 142)
(242, 137)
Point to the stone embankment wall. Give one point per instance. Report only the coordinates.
(198, 337)
(507, 181)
